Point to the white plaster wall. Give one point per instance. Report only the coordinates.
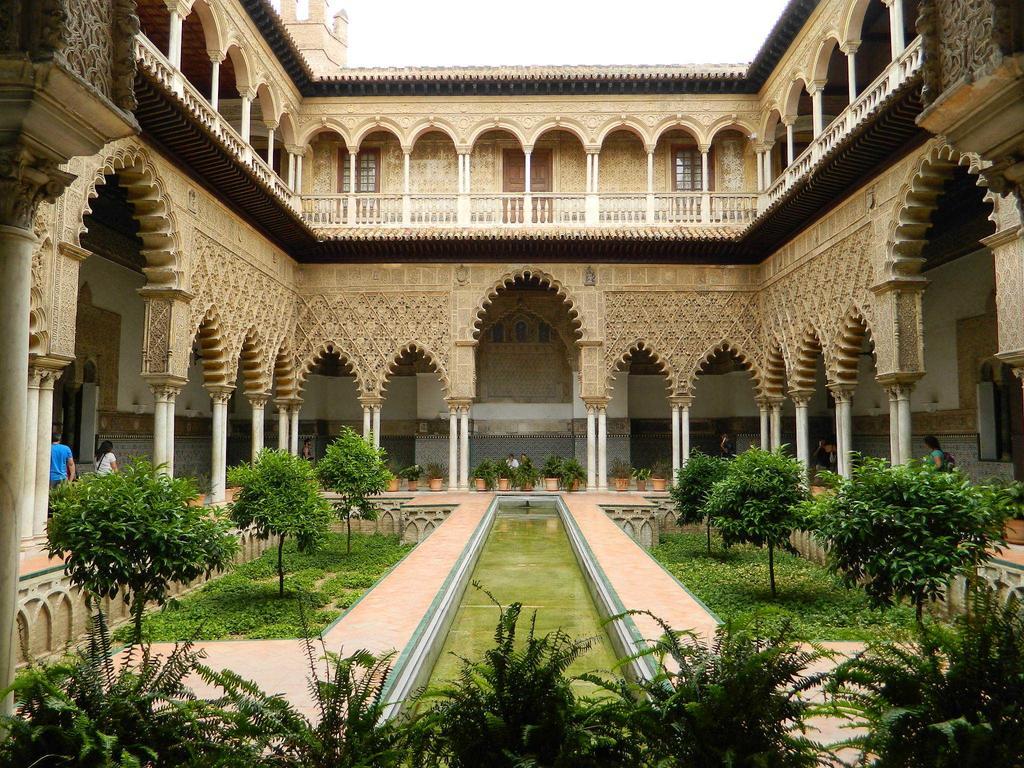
(648, 397)
(429, 402)
(727, 394)
(333, 398)
(400, 399)
(618, 406)
(194, 400)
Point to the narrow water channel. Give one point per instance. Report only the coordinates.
(527, 558)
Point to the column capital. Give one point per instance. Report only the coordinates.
(850, 47)
(843, 393)
(370, 400)
(815, 86)
(680, 401)
(247, 94)
(596, 402)
(258, 401)
(164, 388)
(25, 182)
(592, 149)
(801, 397)
(216, 56)
(900, 378)
(220, 393)
(458, 403)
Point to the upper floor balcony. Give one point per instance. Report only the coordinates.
(425, 173)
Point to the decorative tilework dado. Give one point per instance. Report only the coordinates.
(192, 455)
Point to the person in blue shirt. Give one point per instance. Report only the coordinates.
(62, 465)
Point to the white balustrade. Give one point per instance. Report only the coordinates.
(325, 210)
(378, 210)
(616, 208)
(733, 208)
(433, 209)
(677, 208)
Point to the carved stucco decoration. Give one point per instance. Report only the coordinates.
(370, 329)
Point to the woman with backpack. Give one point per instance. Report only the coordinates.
(106, 461)
(942, 461)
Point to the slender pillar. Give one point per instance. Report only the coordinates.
(406, 187)
(282, 425)
(676, 436)
(650, 185)
(896, 39)
(259, 404)
(159, 426)
(591, 448)
(453, 447)
(172, 396)
(527, 190)
(291, 172)
(270, 145)
(461, 183)
(44, 426)
(894, 425)
(844, 427)
(765, 431)
(464, 447)
(801, 400)
(174, 40)
(760, 171)
(905, 423)
(776, 424)
(527, 171)
(596, 172)
(789, 144)
(684, 413)
(293, 413)
(817, 108)
(26, 501)
(219, 454)
(246, 116)
(851, 69)
(376, 425)
(367, 421)
(215, 80)
(298, 173)
(705, 182)
(602, 447)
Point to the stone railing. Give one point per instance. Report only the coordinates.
(396, 517)
(639, 521)
(52, 613)
(896, 74)
(529, 210)
(152, 61)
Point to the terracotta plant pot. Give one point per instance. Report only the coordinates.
(229, 494)
(641, 485)
(414, 485)
(575, 486)
(503, 483)
(481, 484)
(527, 487)
(1014, 532)
(658, 483)
(198, 501)
(550, 483)
(393, 485)
(621, 483)
(435, 483)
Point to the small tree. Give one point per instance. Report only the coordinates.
(133, 533)
(278, 496)
(758, 502)
(355, 470)
(905, 531)
(693, 484)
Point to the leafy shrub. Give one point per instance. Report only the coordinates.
(412, 473)
(642, 474)
(757, 502)
(739, 700)
(133, 533)
(526, 474)
(572, 472)
(1008, 499)
(487, 471)
(904, 531)
(434, 471)
(102, 710)
(949, 699)
(620, 470)
(516, 707)
(692, 486)
(354, 470)
(552, 466)
(278, 496)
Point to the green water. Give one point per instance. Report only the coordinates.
(527, 557)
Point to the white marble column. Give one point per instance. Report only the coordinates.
(174, 39)
(293, 442)
(453, 447)
(817, 90)
(602, 447)
(896, 38)
(801, 400)
(282, 425)
(259, 405)
(26, 500)
(246, 116)
(464, 447)
(219, 453)
(159, 426)
(763, 410)
(270, 144)
(761, 185)
(676, 436)
(367, 421)
(291, 171)
(684, 415)
(215, 59)
(376, 425)
(789, 144)
(705, 180)
(591, 447)
(44, 428)
(894, 425)
(298, 173)
(850, 49)
(172, 397)
(905, 423)
(844, 427)
(776, 424)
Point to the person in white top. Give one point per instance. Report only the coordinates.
(106, 461)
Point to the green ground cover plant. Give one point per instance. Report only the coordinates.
(244, 604)
(815, 602)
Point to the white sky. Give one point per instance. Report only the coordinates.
(484, 32)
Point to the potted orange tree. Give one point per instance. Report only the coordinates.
(504, 476)
(572, 475)
(552, 471)
(621, 472)
(641, 475)
(485, 475)
(661, 472)
(435, 476)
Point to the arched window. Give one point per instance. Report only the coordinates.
(544, 333)
(498, 332)
(522, 332)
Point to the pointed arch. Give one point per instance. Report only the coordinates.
(640, 343)
(328, 348)
(212, 348)
(508, 280)
(151, 207)
(916, 200)
(734, 349)
(283, 379)
(433, 359)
